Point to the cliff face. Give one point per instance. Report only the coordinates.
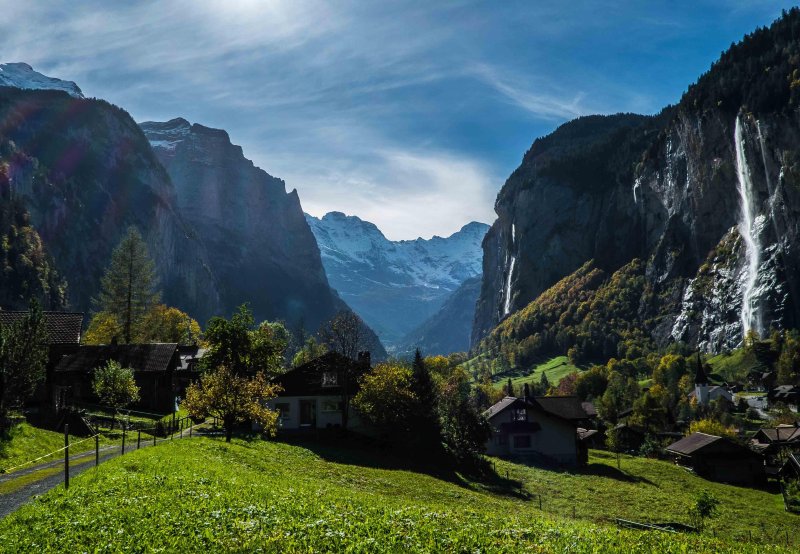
(260, 246)
(448, 330)
(84, 171)
(708, 193)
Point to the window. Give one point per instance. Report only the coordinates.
(522, 441)
(283, 409)
(331, 406)
(330, 379)
(520, 415)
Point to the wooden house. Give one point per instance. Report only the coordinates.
(153, 369)
(540, 429)
(313, 395)
(719, 459)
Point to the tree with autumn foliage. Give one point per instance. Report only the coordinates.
(161, 324)
(233, 399)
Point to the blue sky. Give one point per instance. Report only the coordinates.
(407, 114)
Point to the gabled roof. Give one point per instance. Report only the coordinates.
(62, 327)
(306, 379)
(781, 433)
(139, 357)
(563, 407)
(692, 443)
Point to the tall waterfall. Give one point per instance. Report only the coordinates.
(750, 316)
(507, 305)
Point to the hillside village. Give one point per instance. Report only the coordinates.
(614, 366)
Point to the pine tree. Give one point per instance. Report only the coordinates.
(426, 418)
(510, 388)
(128, 286)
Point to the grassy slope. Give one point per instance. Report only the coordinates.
(204, 495)
(555, 368)
(28, 442)
(735, 365)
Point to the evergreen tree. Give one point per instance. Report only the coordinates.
(426, 415)
(128, 286)
(544, 383)
(510, 388)
(23, 356)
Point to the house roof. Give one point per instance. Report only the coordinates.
(692, 443)
(711, 389)
(62, 327)
(781, 433)
(564, 407)
(139, 357)
(306, 379)
(584, 434)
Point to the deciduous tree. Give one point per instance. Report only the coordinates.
(115, 386)
(233, 399)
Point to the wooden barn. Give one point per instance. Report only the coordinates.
(719, 459)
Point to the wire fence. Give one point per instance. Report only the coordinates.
(112, 446)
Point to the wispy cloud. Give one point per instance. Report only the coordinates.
(407, 113)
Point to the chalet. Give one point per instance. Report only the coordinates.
(63, 337)
(153, 369)
(631, 437)
(542, 429)
(314, 393)
(719, 459)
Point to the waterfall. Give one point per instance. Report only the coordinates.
(507, 305)
(747, 229)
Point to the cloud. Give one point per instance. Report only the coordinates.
(539, 99)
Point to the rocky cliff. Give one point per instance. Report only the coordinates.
(449, 329)
(707, 193)
(395, 285)
(260, 246)
(85, 172)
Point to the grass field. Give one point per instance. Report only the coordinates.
(28, 442)
(555, 368)
(734, 366)
(205, 495)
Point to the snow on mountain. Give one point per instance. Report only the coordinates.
(394, 285)
(21, 75)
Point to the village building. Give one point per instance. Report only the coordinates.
(313, 395)
(63, 337)
(785, 394)
(719, 459)
(704, 393)
(542, 429)
(153, 367)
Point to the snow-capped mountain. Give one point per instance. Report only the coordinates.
(21, 75)
(394, 285)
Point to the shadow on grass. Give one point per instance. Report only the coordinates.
(610, 472)
(352, 449)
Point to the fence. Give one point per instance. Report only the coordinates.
(180, 428)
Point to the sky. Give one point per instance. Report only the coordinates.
(409, 114)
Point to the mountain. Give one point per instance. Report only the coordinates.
(706, 194)
(394, 285)
(255, 233)
(77, 172)
(84, 172)
(449, 329)
(21, 75)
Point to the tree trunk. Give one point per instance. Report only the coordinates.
(228, 429)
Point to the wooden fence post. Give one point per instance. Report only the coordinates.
(190, 431)
(66, 456)
(123, 439)
(180, 424)
(96, 450)
(138, 439)
(540, 502)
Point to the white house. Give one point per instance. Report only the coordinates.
(314, 393)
